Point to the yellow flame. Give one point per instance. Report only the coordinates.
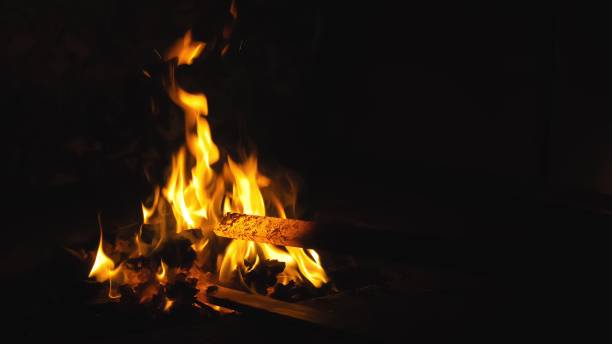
(239, 255)
(310, 268)
(161, 276)
(103, 267)
(194, 102)
(193, 194)
(199, 247)
(246, 197)
(198, 195)
(148, 212)
(168, 304)
(185, 49)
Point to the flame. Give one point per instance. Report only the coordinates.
(185, 49)
(192, 194)
(161, 275)
(168, 304)
(196, 195)
(309, 267)
(148, 212)
(199, 247)
(247, 198)
(238, 255)
(103, 268)
(229, 27)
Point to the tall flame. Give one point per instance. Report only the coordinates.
(148, 212)
(162, 276)
(103, 267)
(193, 195)
(197, 195)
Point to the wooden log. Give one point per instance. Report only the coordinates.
(264, 229)
(337, 236)
(259, 304)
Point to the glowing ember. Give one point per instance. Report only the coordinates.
(198, 191)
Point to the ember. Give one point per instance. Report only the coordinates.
(175, 252)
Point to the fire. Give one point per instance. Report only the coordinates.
(103, 267)
(202, 186)
(162, 274)
(229, 27)
(196, 198)
(103, 270)
(168, 304)
(147, 212)
(185, 49)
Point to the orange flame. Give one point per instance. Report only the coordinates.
(185, 49)
(246, 198)
(162, 275)
(148, 212)
(198, 196)
(168, 304)
(229, 27)
(199, 247)
(103, 267)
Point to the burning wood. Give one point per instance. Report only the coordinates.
(335, 235)
(263, 229)
(176, 238)
(246, 302)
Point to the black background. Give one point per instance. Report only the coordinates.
(381, 98)
(474, 118)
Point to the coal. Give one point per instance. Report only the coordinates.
(292, 292)
(193, 235)
(263, 276)
(177, 252)
(148, 233)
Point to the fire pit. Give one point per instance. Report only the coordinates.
(201, 237)
(175, 254)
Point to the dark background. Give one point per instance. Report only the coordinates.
(353, 97)
(483, 121)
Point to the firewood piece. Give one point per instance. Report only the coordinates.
(264, 229)
(263, 275)
(258, 304)
(341, 237)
